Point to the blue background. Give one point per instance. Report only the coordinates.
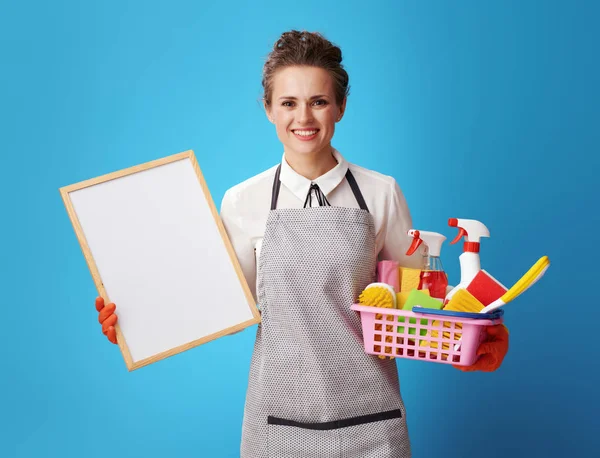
(485, 110)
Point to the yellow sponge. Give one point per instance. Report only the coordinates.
(401, 298)
(409, 279)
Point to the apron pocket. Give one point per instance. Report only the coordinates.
(370, 436)
(365, 436)
(290, 439)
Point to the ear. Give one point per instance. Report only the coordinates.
(268, 112)
(342, 109)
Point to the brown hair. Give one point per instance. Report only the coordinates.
(305, 48)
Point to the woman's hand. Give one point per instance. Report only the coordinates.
(107, 318)
(491, 352)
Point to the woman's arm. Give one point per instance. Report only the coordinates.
(395, 226)
(242, 244)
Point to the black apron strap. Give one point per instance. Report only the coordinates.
(351, 181)
(276, 186)
(356, 190)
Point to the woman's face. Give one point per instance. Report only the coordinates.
(304, 110)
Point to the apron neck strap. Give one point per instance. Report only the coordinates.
(356, 190)
(349, 177)
(276, 186)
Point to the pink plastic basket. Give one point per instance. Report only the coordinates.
(428, 335)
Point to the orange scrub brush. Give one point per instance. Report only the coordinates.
(384, 296)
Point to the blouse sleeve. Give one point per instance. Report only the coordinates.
(242, 244)
(396, 241)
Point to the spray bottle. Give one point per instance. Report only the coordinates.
(432, 276)
(470, 263)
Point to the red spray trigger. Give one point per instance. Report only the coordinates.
(461, 233)
(453, 222)
(415, 243)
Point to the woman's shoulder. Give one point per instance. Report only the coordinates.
(251, 189)
(372, 178)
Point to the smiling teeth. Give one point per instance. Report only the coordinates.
(305, 133)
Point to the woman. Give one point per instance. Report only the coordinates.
(308, 233)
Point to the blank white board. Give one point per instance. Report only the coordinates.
(156, 247)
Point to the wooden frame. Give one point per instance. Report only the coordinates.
(66, 192)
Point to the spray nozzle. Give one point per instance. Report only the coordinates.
(417, 240)
(432, 240)
(461, 233)
(471, 229)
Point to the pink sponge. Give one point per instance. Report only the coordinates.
(387, 272)
(485, 288)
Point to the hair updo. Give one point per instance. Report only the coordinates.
(305, 48)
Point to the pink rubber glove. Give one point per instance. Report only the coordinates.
(491, 352)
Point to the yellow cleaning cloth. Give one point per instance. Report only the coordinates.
(409, 279)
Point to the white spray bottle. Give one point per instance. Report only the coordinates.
(470, 264)
(432, 276)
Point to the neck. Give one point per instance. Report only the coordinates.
(311, 165)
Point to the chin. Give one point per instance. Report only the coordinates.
(306, 147)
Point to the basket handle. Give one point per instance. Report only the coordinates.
(477, 316)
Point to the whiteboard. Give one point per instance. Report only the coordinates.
(156, 247)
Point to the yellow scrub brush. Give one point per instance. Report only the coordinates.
(384, 296)
(378, 295)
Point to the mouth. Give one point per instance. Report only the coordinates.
(305, 134)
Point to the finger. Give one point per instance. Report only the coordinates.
(106, 312)
(476, 366)
(112, 335)
(498, 331)
(486, 348)
(493, 330)
(487, 363)
(109, 322)
(99, 303)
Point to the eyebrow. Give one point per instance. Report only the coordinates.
(289, 97)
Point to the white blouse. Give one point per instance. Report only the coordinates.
(245, 208)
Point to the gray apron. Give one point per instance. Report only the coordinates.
(313, 391)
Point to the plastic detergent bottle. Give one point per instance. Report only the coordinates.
(432, 276)
(470, 264)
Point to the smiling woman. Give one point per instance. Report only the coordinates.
(305, 93)
(308, 233)
(304, 111)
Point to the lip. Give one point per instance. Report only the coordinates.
(305, 138)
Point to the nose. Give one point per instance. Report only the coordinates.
(304, 114)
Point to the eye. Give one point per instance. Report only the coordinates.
(287, 103)
(321, 102)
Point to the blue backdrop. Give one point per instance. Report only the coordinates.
(485, 110)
